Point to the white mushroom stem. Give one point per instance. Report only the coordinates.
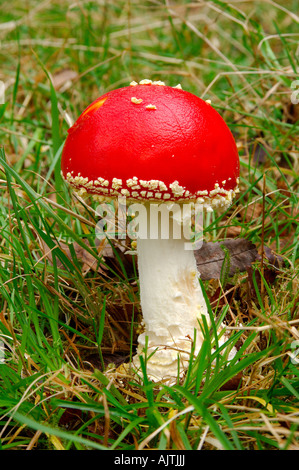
(172, 305)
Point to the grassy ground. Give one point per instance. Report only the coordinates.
(68, 316)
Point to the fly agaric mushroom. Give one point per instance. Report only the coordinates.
(156, 144)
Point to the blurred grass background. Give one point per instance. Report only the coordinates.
(69, 306)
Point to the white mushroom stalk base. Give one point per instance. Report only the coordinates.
(172, 305)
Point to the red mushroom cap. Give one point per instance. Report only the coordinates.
(153, 142)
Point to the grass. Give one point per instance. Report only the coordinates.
(68, 314)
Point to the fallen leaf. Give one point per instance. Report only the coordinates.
(233, 231)
(234, 383)
(84, 256)
(63, 78)
(275, 260)
(259, 154)
(273, 263)
(88, 260)
(252, 211)
(210, 257)
(70, 418)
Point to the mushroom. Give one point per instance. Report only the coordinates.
(165, 148)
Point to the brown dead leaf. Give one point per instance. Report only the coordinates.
(88, 260)
(272, 264)
(71, 418)
(84, 256)
(234, 383)
(210, 257)
(252, 211)
(233, 231)
(63, 78)
(259, 154)
(274, 260)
